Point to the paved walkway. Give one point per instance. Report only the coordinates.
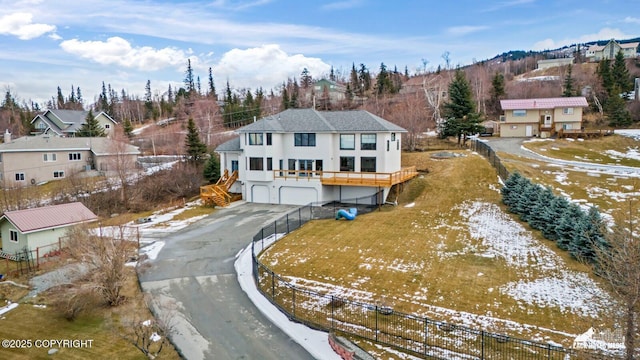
(194, 278)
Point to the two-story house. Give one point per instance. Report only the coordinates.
(300, 156)
(609, 50)
(36, 159)
(541, 117)
(67, 122)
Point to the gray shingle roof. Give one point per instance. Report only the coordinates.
(66, 121)
(99, 145)
(309, 120)
(231, 145)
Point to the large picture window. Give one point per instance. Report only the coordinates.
(519, 113)
(347, 163)
(255, 138)
(256, 163)
(347, 141)
(368, 141)
(368, 164)
(305, 139)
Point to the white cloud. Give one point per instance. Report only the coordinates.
(464, 30)
(266, 66)
(118, 51)
(21, 25)
(508, 4)
(238, 5)
(603, 34)
(632, 20)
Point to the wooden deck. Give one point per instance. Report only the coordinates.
(349, 178)
(584, 134)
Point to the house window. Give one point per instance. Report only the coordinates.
(567, 111)
(307, 166)
(388, 145)
(19, 176)
(269, 164)
(75, 156)
(13, 235)
(305, 139)
(107, 126)
(368, 141)
(0, 157)
(255, 138)
(566, 126)
(292, 166)
(347, 163)
(318, 165)
(513, 127)
(368, 164)
(41, 125)
(281, 166)
(58, 174)
(347, 141)
(49, 157)
(269, 140)
(519, 113)
(393, 136)
(256, 163)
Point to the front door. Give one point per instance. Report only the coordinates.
(234, 165)
(528, 130)
(547, 121)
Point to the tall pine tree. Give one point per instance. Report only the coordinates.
(196, 149)
(91, 127)
(460, 114)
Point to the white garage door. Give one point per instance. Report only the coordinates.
(260, 194)
(297, 195)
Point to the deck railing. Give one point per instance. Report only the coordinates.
(349, 178)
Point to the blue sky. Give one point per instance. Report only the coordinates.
(251, 43)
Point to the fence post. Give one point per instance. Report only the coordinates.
(331, 302)
(426, 335)
(38, 257)
(482, 345)
(273, 285)
(376, 322)
(293, 295)
(287, 223)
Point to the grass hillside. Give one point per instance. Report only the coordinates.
(452, 254)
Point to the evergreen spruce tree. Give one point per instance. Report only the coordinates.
(537, 217)
(616, 111)
(383, 82)
(460, 114)
(568, 83)
(212, 86)
(196, 149)
(497, 93)
(509, 190)
(189, 80)
(604, 73)
(355, 84)
(91, 127)
(570, 225)
(305, 78)
(148, 101)
(526, 200)
(364, 78)
(620, 74)
(582, 248)
(127, 127)
(60, 99)
(555, 212)
(211, 170)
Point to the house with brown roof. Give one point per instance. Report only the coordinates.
(39, 227)
(541, 117)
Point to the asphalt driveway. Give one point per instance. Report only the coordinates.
(194, 281)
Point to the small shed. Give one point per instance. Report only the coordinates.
(39, 227)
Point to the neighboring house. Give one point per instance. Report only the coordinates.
(609, 51)
(39, 227)
(67, 122)
(541, 117)
(550, 63)
(325, 87)
(301, 156)
(35, 159)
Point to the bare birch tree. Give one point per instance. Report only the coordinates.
(618, 263)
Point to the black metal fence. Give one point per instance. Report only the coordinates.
(485, 150)
(417, 335)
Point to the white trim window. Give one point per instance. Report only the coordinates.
(75, 156)
(519, 113)
(567, 111)
(13, 235)
(255, 138)
(58, 174)
(368, 141)
(19, 176)
(49, 157)
(347, 141)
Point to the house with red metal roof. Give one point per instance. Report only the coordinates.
(39, 227)
(542, 117)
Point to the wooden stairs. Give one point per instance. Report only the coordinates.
(218, 194)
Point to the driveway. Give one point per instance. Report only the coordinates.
(194, 281)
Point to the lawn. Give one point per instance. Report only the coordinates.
(448, 252)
